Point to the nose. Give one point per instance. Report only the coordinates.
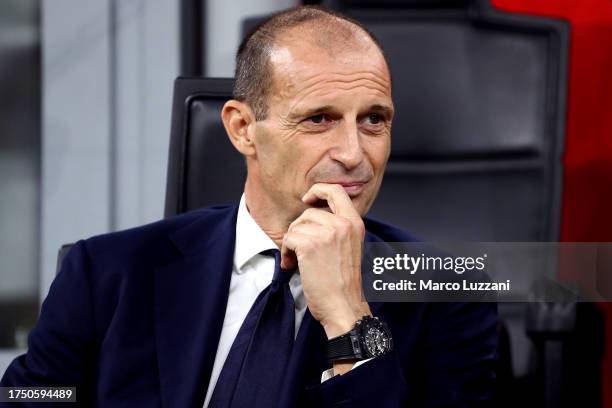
(348, 151)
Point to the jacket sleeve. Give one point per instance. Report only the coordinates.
(459, 356)
(454, 365)
(379, 383)
(61, 349)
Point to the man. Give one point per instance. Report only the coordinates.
(171, 313)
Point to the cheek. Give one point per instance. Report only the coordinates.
(277, 166)
(272, 154)
(378, 150)
(287, 164)
(310, 155)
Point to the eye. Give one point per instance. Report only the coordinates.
(374, 118)
(317, 119)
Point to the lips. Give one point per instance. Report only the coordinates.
(352, 188)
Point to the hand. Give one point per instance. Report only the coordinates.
(327, 246)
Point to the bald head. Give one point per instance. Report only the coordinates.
(313, 28)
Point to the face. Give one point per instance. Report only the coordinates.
(329, 120)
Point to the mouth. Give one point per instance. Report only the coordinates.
(352, 188)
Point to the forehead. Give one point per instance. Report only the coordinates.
(305, 69)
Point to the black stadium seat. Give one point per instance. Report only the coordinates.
(203, 167)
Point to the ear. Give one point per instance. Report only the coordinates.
(238, 119)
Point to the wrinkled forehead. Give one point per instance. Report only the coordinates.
(321, 45)
(302, 67)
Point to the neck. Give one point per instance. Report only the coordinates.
(271, 218)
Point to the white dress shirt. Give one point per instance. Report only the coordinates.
(251, 274)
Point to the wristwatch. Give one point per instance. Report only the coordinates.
(370, 337)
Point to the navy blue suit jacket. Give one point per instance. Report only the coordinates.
(134, 317)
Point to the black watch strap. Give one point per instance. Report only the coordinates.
(343, 347)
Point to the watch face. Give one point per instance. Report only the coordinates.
(376, 338)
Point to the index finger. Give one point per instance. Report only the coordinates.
(338, 200)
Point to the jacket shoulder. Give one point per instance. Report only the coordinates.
(381, 231)
(151, 240)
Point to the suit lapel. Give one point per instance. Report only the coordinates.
(190, 302)
(307, 360)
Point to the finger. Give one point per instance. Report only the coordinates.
(289, 260)
(339, 202)
(336, 219)
(315, 216)
(316, 232)
(293, 242)
(331, 224)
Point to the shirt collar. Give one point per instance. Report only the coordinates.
(250, 238)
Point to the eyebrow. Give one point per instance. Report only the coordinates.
(313, 111)
(383, 109)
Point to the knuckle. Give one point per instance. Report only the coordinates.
(359, 227)
(295, 223)
(345, 225)
(307, 246)
(309, 212)
(331, 233)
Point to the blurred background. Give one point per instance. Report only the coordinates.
(517, 105)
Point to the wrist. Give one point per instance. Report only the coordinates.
(344, 319)
(339, 324)
(342, 367)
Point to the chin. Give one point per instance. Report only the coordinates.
(364, 205)
(360, 205)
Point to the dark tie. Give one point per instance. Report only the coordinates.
(253, 373)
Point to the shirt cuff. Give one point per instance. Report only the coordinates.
(329, 373)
